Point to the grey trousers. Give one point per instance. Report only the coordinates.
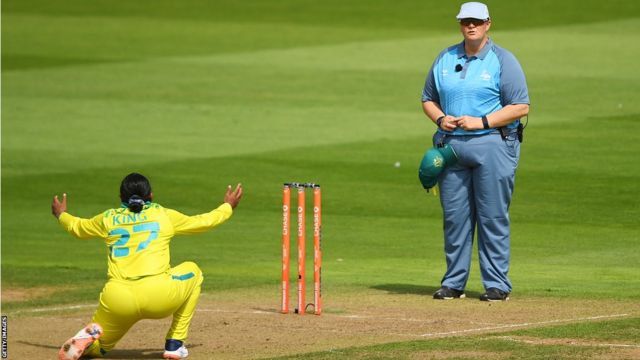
(475, 193)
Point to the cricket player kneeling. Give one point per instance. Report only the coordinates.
(141, 283)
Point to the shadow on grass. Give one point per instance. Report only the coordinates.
(141, 353)
(407, 289)
(117, 354)
(415, 289)
(135, 354)
(44, 346)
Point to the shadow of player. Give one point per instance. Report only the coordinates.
(115, 354)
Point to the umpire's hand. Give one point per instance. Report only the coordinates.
(232, 197)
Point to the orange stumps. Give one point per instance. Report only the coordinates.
(286, 248)
(317, 250)
(286, 220)
(301, 251)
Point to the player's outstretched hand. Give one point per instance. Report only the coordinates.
(232, 197)
(57, 206)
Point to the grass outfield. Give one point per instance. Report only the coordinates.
(596, 340)
(198, 96)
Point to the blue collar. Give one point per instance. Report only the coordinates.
(481, 55)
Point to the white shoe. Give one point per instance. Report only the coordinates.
(75, 347)
(181, 353)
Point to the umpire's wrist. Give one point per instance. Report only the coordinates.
(485, 122)
(439, 120)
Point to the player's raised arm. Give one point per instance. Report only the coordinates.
(76, 226)
(184, 224)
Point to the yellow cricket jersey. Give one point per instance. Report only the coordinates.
(138, 243)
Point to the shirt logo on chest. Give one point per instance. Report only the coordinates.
(485, 75)
(445, 72)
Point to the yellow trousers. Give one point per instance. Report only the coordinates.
(125, 302)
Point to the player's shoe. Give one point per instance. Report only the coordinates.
(494, 294)
(175, 350)
(445, 293)
(75, 347)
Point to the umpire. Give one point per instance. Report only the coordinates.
(476, 93)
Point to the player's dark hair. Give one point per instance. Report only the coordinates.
(135, 190)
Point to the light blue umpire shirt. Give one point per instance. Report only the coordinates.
(476, 192)
(485, 83)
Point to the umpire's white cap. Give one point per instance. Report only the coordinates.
(475, 10)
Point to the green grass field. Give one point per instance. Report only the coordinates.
(199, 94)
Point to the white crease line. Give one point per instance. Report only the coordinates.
(613, 345)
(487, 328)
(518, 325)
(532, 342)
(60, 308)
(619, 345)
(237, 311)
(359, 317)
(365, 317)
(352, 317)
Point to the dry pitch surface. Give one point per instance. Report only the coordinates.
(241, 325)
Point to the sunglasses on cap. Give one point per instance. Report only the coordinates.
(469, 21)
